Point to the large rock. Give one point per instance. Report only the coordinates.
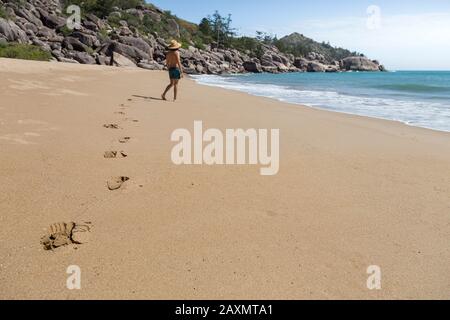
(135, 12)
(173, 28)
(316, 67)
(30, 27)
(270, 69)
(153, 16)
(87, 39)
(11, 32)
(122, 61)
(301, 63)
(267, 60)
(81, 57)
(29, 16)
(132, 53)
(359, 64)
(90, 25)
(45, 46)
(67, 60)
(151, 65)
(252, 66)
(46, 33)
(51, 21)
(281, 67)
(72, 43)
(332, 68)
(139, 44)
(94, 19)
(313, 56)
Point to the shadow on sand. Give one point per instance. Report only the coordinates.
(148, 98)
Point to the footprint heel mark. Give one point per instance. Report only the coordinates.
(80, 233)
(124, 139)
(129, 119)
(111, 126)
(114, 154)
(116, 182)
(120, 112)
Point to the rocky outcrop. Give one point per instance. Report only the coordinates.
(122, 61)
(360, 64)
(42, 23)
(50, 20)
(252, 66)
(11, 32)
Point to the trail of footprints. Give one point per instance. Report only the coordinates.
(71, 233)
(115, 183)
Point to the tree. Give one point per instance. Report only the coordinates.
(221, 30)
(205, 27)
(265, 37)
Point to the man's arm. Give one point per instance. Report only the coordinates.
(179, 63)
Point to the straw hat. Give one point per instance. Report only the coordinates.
(174, 44)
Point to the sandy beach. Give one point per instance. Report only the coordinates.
(351, 192)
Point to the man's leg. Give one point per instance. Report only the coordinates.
(167, 90)
(111, 61)
(175, 90)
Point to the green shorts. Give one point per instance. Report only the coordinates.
(174, 73)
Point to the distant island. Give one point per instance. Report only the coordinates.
(137, 33)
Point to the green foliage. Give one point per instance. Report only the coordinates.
(132, 20)
(3, 13)
(113, 20)
(198, 42)
(18, 2)
(249, 44)
(213, 29)
(300, 46)
(149, 25)
(23, 51)
(102, 8)
(65, 30)
(221, 31)
(205, 27)
(265, 38)
(103, 34)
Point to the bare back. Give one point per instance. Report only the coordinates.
(173, 59)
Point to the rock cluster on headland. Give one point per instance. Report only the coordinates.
(43, 23)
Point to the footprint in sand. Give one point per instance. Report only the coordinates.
(133, 120)
(116, 182)
(114, 154)
(111, 126)
(62, 234)
(120, 112)
(124, 139)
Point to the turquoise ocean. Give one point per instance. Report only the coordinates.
(416, 98)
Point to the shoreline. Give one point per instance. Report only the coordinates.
(351, 192)
(197, 79)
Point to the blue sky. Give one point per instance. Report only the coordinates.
(403, 34)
